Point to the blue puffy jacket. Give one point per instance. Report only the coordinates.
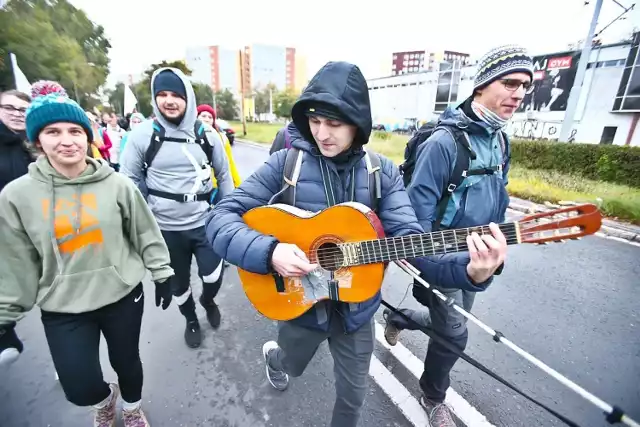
(343, 86)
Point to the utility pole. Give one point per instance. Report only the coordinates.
(574, 96)
(244, 120)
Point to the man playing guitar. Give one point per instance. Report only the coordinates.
(333, 116)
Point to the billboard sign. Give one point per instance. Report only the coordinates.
(553, 77)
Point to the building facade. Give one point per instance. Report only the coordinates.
(261, 65)
(608, 107)
(416, 61)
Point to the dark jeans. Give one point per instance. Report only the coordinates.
(74, 342)
(183, 245)
(447, 322)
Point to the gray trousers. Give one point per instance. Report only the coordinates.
(351, 358)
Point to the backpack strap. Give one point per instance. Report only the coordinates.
(461, 169)
(464, 155)
(373, 172)
(201, 139)
(292, 166)
(287, 138)
(157, 138)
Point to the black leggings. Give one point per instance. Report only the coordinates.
(74, 342)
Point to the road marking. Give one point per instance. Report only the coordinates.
(463, 409)
(398, 393)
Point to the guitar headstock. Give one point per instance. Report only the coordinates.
(561, 224)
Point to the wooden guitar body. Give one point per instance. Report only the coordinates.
(317, 234)
(347, 242)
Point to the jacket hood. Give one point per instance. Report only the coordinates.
(97, 170)
(190, 114)
(341, 85)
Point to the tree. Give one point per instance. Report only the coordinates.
(54, 40)
(179, 64)
(226, 105)
(204, 94)
(283, 102)
(116, 97)
(263, 96)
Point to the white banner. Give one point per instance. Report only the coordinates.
(22, 84)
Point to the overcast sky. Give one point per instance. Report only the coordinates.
(147, 31)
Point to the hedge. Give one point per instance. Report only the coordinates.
(612, 163)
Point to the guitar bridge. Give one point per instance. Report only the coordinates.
(351, 253)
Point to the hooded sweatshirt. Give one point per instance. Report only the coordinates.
(74, 245)
(178, 166)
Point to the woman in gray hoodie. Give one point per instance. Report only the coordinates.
(78, 245)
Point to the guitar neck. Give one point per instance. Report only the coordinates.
(419, 245)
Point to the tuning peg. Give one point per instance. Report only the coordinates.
(542, 243)
(576, 238)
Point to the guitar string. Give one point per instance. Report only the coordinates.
(403, 244)
(412, 238)
(337, 260)
(446, 234)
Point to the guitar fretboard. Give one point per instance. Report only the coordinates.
(419, 245)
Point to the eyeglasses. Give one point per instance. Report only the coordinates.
(11, 109)
(514, 84)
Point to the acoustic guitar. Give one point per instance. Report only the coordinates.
(348, 243)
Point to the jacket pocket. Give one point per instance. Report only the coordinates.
(84, 291)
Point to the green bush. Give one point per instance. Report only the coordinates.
(612, 163)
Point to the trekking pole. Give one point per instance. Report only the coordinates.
(614, 414)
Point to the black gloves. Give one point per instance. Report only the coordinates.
(163, 293)
(10, 344)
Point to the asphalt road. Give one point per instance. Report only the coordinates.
(573, 305)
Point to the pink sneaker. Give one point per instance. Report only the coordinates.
(135, 418)
(106, 417)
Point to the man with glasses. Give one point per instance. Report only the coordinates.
(503, 78)
(14, 153)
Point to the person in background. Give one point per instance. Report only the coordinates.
(79, 246)
(504, 76)
(179, 190)
(333, 116)
(15, 154)
(114, 134)
(207, 115)
(134, 120)
(99, 148)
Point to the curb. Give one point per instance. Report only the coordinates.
(608, 228)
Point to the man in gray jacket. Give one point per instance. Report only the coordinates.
(171, 159)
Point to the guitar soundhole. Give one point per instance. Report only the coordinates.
(330, 256)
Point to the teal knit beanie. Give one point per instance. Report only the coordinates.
(55, 107)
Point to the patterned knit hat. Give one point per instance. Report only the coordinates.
(52, 105)
(501, 61)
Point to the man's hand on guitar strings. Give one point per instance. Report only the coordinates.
(290, 261)
(487, 253)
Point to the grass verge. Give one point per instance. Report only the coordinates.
(618, 201)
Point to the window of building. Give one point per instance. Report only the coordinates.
(608, 135)
(628, 96)
(448, 84)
